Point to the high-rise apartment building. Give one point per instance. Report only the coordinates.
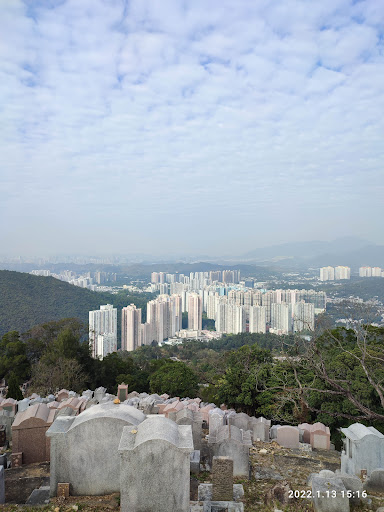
(327, 274)
(342, 273)
(130, 327)
(303, 317)
(103, 322)
(281, 317)
(257, 319)
(195, 312)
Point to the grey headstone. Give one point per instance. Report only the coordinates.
(375, 482)
(39, 496)
(354, 484)
(195, 461)
(327, 495)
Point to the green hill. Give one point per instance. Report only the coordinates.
(27, 300)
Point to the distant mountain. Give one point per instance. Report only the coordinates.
(349, 251)
(27, 300)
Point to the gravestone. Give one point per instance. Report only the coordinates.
(99, 393)
(229, 443)
(154, 452)
(375, 482)
(122, 392)
(306, 428)
(195, 461)
(320, 436)
(216, 420)
(240, 420)
(39, 496)
(194, 419)
(288, 436)
(22, 405)
(260, 428)
(329, 495)
(62, 395)
(28, 433)
(2, 486)
(273, 431)
(363, 449)
(222, 479)
(84, 448)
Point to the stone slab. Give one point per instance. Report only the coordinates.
(2, 486)
(329, 495)
(39, 496)
(223, 506)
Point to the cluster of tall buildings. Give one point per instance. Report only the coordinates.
(234, 306)
(335, 273)
(164, 319)
(371, 272)
(196, 279)
(89, 280)
(283, 311)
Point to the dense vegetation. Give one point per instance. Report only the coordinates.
(337, 378)
(27, 300)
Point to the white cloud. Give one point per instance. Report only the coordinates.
(113, 107)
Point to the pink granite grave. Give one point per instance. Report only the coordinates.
(288, 436)
(320, 436)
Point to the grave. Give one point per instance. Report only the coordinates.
(216, 420)
(194, 419)
(154, 452)
(84, 448)
(99, 393)
(63, 394)
(9, 405)
(320, 436)
(28, 433)
(260, 428)
(329, 495)
(363, 449)
(22, 405)
(288, 436)
(375, 482)
(229, 443)
(240, 420)
(122, 392)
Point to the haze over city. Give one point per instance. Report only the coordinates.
(149, 126)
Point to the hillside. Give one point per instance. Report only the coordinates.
(27, 300)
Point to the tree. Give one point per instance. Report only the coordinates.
(49, 378)
(247, 369)
(13, 358)
(14, 390)
(174, 378)
(339, 378)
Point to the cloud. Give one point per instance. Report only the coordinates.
(178, 111)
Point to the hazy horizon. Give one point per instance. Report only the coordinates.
(166, 127)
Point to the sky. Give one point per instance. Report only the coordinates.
(213, 127)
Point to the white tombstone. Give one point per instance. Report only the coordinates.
(157, 453)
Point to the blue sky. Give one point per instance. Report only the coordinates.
(206, 126)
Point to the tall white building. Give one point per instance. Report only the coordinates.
(103, 322)
(130, 327)
(327, 274)
(195, 312)
(257, 319)
(342, 273)
(303, 316)
(281, 317)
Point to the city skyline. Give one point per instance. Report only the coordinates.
(126, 123)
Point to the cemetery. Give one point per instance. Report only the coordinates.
(193, 456)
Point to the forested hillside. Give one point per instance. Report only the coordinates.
(27, 300)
